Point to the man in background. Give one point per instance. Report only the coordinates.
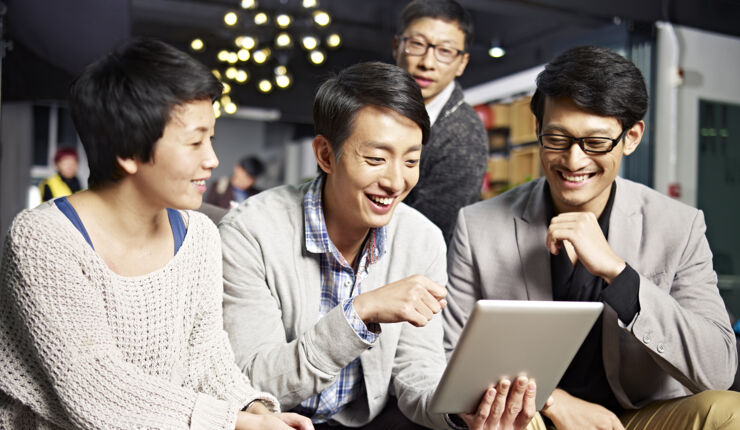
(64, 182)
(432, 44)
(229, 192)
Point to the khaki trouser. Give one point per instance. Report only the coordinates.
(708, 410)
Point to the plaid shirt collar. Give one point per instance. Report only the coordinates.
(317, 236)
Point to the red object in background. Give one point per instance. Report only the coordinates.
(485, 115)
(486, 185)
(674, 190)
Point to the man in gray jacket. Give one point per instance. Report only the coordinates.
(331, 288)
(432, 44)
(583, 234)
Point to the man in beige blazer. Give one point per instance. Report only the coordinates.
(581, 233)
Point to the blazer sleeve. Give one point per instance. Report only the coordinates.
(462, 290)
(420, 359)
(687, 330)
(293, 370)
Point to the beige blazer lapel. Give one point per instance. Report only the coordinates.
(625, 233)
(531, 231)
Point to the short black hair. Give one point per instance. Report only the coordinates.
(252, 165)
(598, 80)
(445, 10)
(375, 84)
(121, 103)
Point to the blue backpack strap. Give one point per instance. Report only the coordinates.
(70, 212)
(178, 227)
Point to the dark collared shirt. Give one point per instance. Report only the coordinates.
(585, 378)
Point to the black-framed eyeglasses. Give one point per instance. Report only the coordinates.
(590, 145)
(418, 47)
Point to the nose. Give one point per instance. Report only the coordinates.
(210, 161)
(575, 156)
(393, 179)
(427, 60)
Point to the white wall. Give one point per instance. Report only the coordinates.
(711, 70)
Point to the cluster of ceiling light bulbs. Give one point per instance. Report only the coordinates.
(250, 49)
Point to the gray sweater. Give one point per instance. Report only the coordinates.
(453, 163)
(83, 347)
(272, 289)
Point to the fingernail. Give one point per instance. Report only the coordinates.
(522, 381)
(491, 392)
(532, 386)
(505, 384)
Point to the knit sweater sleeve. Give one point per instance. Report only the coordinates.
(64, 363)
(212, 368)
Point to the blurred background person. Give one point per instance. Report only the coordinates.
(64, 182)
(229, 192)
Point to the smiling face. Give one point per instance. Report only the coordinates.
(581, 182)
(431, 75)
(183, 159)
(378, 166)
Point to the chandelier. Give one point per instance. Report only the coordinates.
(265, 36)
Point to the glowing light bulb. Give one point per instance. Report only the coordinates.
(283, 20)
(241, 76)
(243, 55)
(321, 18)
(231, 18)
(249, 4)
(317, 57)
(333, 40)
(309, 42)
(260, 18)
(265, 86)
(197, 45)
(283, 40)
(230, 108)
(283, 81)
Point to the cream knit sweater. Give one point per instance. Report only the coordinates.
(82, 347)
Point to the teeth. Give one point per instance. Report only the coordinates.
(200, 182)
(579, 178)
(385, 201)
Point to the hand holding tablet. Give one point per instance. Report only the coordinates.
(505, 339)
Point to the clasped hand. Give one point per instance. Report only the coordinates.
(582, 231)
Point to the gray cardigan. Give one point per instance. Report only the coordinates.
(271, 311)
(453, 163)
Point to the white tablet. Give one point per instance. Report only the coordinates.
(508, 338)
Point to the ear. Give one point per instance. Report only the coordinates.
(324, 154)
(633, 137)
(463, 64)
(129, 165)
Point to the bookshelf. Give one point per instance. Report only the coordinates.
(512, 143)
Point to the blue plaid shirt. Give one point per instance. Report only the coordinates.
(339, 286)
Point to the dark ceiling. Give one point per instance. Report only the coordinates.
(53, 40)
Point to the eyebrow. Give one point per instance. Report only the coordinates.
(423, 36)
(597, 132)
(391, 148)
